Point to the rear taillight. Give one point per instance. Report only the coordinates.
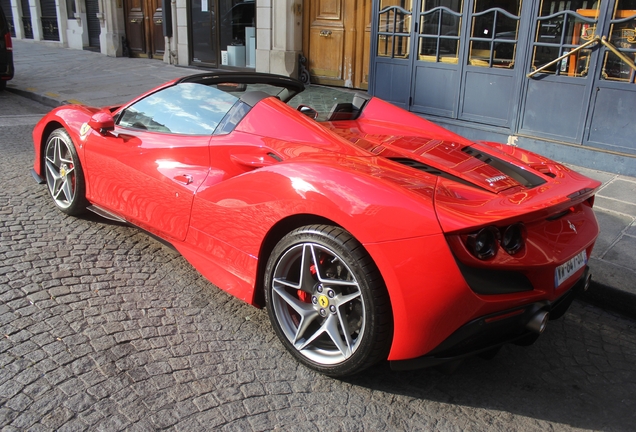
(7, 41)
(485, 243)
(513, 238)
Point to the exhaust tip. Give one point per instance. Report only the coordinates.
(538, 322)
(588, 280)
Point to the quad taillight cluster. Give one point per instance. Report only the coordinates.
(485, 243)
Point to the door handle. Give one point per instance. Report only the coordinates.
(134, 20)
(158, 21)
(325, 33)
(184, 178)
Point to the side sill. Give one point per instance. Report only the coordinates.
(36, 176)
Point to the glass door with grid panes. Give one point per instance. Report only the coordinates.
(580, 83)
(455, 59)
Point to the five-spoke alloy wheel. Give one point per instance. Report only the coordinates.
(327, 301)
(64, 176)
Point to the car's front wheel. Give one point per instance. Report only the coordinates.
(327, 301)
(64, 175)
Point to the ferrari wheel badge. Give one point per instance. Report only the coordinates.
(323, 301)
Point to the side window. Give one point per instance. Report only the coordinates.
(188, 109)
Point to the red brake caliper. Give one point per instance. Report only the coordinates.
(305, 296)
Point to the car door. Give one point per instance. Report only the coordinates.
(148, 169)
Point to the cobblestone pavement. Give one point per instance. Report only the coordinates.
(104, 328)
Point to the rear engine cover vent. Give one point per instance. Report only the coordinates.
(522, 176)
(431, 170)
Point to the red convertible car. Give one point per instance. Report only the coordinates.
(366, 231)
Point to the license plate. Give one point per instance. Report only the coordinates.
(567, 269)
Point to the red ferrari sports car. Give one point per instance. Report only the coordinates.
(366, 231)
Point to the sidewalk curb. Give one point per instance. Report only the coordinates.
(610, 298)
(44, 100)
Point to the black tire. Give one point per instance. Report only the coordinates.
(64, 174)
(341, 292)
(3, 84)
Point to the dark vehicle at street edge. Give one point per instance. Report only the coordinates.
(6, 52)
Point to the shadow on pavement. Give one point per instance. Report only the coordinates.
(580, 373)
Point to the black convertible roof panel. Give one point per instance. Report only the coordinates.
(245, 78)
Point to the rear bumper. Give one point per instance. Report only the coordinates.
(492, 331)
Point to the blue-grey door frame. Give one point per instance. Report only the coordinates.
(492, 96)
(555, 107)
(610, 120)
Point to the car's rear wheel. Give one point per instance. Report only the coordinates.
(64, 175)
(3, 84)
(327, 301)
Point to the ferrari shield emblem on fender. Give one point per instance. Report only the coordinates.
(84, 130)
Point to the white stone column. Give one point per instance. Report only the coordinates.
(111, 18)
(36, 19)
(62, 20)
(181, 18)
(16, 8)
(263, 34)
(286, 37)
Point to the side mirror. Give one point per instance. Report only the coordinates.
(102, 122)
(308, 111)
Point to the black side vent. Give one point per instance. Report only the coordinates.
(431, 170)
(274, 156)
(491, 282)
(522, 176)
